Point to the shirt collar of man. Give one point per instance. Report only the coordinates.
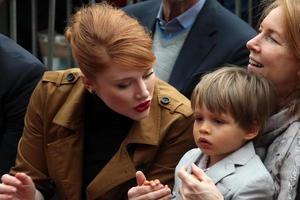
(181, 22)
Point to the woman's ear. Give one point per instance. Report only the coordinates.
(252, 132)
(87, 83)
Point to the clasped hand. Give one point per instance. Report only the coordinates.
(18, 187)
(197, 185)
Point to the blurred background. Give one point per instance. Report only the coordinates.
(38, 25)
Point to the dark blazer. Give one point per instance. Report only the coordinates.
(216, 37)
(19, 73)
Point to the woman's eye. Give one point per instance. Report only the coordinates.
(148, 75)
(123, 85)
(271, 39)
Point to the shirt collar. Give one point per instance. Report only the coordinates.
(183, 21)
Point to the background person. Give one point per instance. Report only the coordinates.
(20, 72)
(89, 130)
(192, 37)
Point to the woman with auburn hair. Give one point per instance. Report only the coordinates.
(89, 130)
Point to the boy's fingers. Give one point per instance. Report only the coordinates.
(24, 178)
(10, 180)
(200, 174)
(183, 175)
(7, 189)
(6, 196)
(147, 192)
(140, 178)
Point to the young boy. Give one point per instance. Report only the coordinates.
(230, 107)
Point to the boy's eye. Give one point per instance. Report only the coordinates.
(198, 118)
(219, 121)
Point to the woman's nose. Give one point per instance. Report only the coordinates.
(253, 44)
(142, 90)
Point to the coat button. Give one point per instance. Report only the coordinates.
(165, 100)
(70, 77)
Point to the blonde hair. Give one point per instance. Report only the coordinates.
(247, 97)
(101, 36)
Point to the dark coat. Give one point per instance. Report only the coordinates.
(216, 37)
(51, 148)
(19, 73)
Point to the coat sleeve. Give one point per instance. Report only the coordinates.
(31, 157)
(261, 188)
(14, 108)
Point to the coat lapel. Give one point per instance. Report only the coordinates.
(220, 170)
(66, 151)
(121, 167)
(70, 114)
(151, 13)
(228, 165)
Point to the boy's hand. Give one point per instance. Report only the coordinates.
(197, 185)
(148, 190)
(18, 187)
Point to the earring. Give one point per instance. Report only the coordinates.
(93, 92)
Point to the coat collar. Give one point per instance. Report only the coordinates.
(151, 11)
(228, 165)
(70, 114)
(70, 117)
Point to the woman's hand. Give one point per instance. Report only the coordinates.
(18, 187)
(197, 185)
(148, 190)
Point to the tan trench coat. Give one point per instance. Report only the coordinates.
(50, 150)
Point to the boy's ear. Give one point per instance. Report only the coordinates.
(252, 132)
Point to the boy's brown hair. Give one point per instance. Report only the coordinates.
(247, 97)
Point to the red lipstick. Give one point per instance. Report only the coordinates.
(143, 106)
